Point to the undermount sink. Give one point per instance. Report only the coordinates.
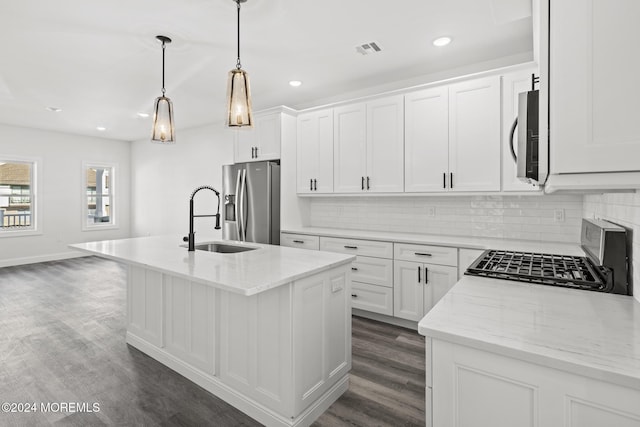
(223, 248)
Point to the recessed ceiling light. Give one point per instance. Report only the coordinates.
(295, 83)
(442, 41)
(53, 109)
(101, 128)
(143, 115)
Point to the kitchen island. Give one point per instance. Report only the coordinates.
(504, 353)
(267, 330)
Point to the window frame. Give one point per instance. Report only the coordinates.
(36, 199)
(113, 220)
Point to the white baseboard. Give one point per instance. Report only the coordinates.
(409, 324)
(243, 403)
(40, 258)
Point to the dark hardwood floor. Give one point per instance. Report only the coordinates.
(62, 328)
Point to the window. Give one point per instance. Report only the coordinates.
(98, 192)
(18, 190)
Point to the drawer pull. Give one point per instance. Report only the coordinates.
(354, 268)
(354, 295)
(298, 241)
(350, 247)
(422, 254)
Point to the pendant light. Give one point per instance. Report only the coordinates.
(238, 94)
(163, 126)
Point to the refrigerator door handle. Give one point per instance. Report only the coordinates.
(237, 205)
(242, 229)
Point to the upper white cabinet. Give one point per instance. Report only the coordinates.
(315, 152)
(368, 146)
(426, 153)
(512, 85)
(262, 142)
(593, 93)
(474, 135)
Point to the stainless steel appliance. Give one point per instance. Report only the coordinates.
(251, 194)
(604, 269)
(526, 154)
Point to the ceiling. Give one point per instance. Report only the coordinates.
(100, 63)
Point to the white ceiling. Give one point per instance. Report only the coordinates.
(100, 63)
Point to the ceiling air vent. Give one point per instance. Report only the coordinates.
(368, 48)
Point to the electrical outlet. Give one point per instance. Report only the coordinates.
(558, 215)
(431, 211)
(336, 286)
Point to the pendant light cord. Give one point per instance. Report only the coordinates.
(238, 65)
(163, 46)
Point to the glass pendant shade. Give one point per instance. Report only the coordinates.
(239, 99)
(163, 126)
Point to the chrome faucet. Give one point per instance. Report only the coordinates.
(192, 235)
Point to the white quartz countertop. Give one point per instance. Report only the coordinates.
(587, 333)
(246, 273)
(444, 240)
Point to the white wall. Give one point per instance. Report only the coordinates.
(510, 217)
(62, 196)
(623, 209)
(163, 177)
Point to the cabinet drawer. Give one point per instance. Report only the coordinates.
(378, 299)
(428, 254)
(376, 271)
(357, 247)
(301, 241)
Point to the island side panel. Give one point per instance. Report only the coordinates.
(255, 346)
(322, 334)
(144, 305)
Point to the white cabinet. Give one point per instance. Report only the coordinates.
(474, 135)
(315, 152)
(593, 95)
(512, 85)
(262, 142)
(301, 241)
(422, 276)
(368, 146)
(478, 388)
(452, 137)
(426, 140)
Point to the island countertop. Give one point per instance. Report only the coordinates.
(587, 333)
(246, 273)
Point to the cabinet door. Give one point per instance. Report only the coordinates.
(512, 85)
(260, 143)
(474, 135)
(438, 280)
(315, 152)
(349, 148)
(385, 145)
(408, 290)
(426, 140)
(594, 93)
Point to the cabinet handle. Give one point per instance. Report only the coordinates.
(419, 270)
(363, 182)
(315, 185)
(310, 185)
(354, 295)
(354, 268)
(298, 241)
(350, 247)
(422, 254)
(367, 183)
(444, 180)
(451, 180)
(426, 275)
(256, 152)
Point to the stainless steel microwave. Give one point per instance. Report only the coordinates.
(526, 152)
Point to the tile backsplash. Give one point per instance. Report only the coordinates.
(552, 218)
(623, 209)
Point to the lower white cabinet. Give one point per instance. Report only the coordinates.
(374, 298)
(301, 241)
(472, 387)
(417, 287)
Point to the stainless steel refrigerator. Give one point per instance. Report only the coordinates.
(251, 194)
